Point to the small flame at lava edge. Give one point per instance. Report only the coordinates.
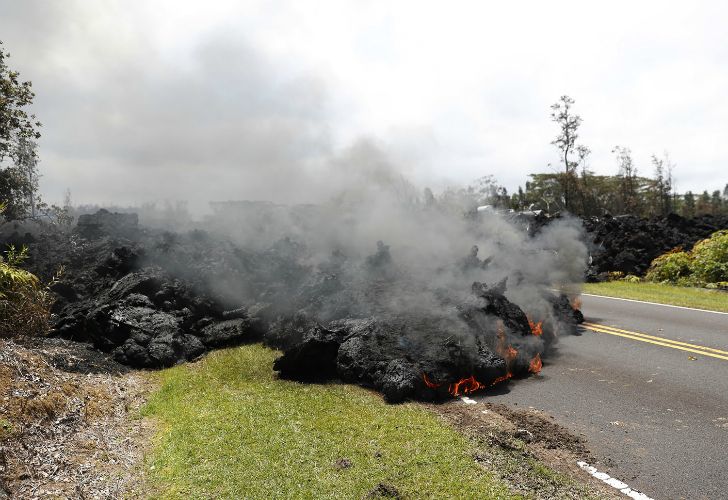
(471, 384)
(576, 303)
(465, 385)
(535, 365)
(428, 383)
(536, 328)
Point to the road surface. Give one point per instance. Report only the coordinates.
(647, 386)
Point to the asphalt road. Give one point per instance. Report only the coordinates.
(655, 416)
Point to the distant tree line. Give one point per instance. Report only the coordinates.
(573, 187)
(578, 190)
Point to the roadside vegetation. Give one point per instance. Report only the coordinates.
(698, 278)
(705, 265)
(228, 427)
(698, 298)
(25, 302)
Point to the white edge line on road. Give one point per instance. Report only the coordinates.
(614, 483)
(655, 303)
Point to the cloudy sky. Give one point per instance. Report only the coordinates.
(149, 100)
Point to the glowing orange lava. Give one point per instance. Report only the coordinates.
(536, 328)
(428, 383)
(576, 303)
(508, 352)
(465, 386)
(535, 365)
(471, 384)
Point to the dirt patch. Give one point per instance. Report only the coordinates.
(525, 448)
(69, 425)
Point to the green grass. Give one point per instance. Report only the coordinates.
(229, 428)
(712, 300)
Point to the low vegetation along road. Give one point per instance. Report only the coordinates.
(647, 386)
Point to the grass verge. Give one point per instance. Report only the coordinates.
(698, 298)
(229, 428)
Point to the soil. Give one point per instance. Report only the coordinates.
(69, 422)
(506, 439)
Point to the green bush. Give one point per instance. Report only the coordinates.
(670, 267)
(631, 278)
(705, 265)
(710, 259)
(25, 303)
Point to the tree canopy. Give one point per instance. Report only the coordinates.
(18, 132)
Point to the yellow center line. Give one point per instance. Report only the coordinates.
(641, 338)
(659, 339)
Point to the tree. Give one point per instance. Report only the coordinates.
(716, 203)
(661, 187)
(628, 182)
(18, 131)
(568, 122)
(688, 209)
(703, 204)
(587, 198)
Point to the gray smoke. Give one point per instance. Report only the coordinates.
(223, 122)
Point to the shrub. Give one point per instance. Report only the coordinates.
(25, 302)
(631, 278)
(705, 265)
(710, 258)
(615, 275)
(672, 266)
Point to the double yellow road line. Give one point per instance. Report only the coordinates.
(661, 341)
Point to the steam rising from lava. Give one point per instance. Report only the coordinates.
(379, 248)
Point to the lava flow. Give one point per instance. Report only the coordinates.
(428, 383)
(465, 386)
(536, 328)
(535, 365)
(471, 384)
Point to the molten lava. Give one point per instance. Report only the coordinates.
(576, 303)
(506, 351)
(470, 384)
(535, 365)
(429, 383)
(536, 328)
(465, 386)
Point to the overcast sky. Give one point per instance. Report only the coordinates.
(144, 100)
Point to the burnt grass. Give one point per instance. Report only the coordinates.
(155, 298)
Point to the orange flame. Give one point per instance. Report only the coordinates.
(576, 303)
(535, 365)
(507, 352)
(536, 328)
(471, 384)
(501, 379)
(428, 383)
(465, 386)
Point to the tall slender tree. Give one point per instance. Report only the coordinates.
(568, 122)
(627, 175)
